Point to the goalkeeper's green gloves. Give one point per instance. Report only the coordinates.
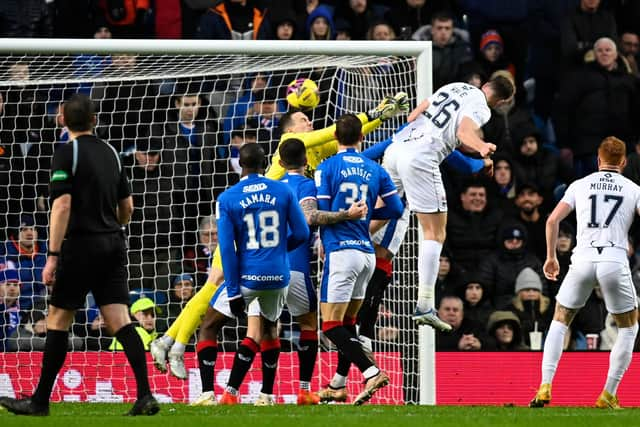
(389, 107)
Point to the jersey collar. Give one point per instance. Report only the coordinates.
(252, 176)
(348, 150)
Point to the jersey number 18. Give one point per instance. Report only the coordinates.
(268, 223)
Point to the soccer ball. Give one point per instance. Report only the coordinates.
(303, 93)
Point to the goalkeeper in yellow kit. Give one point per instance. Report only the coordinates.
(320, 144)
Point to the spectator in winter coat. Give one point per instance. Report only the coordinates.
(500, 269)
(472, 229)
(533, 309)
(597, 101)
(477, 304)
(235, 20)
(504, 327)
(466, 335)
(450, 48)
(581, 29)
(320, 24)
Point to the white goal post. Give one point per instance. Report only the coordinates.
(352, 76)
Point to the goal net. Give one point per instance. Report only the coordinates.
(177, 121)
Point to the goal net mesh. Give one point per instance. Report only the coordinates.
(177, 122)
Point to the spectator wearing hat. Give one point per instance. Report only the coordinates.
(156, 224)
(319, 24)
(343, 29)
(28, 254)
(504, 327)
(450, 48)
(466, 335)
(10, 316)
(532, 308)
(529, 204)
(472, 228)
(474, 295)
(537, 164)
(285, 25)
(492, 57)
(448, 275)
(144, 312)
(500, 269)
(502, 190)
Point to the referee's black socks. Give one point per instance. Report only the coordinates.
(55, 351)
(134, 350)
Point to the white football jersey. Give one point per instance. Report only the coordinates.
(605, 204)
(438, 125)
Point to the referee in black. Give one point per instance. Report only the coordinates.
(91, 201)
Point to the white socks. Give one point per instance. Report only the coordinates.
(167, 340)
(428, 265)
(552, 350)
(338, 381)
(178, 347)
(620, 357)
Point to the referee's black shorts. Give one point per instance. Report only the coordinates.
(93, 262)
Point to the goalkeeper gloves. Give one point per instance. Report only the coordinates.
(237, 306)
(389, 107)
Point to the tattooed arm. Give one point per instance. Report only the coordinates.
(317, 217)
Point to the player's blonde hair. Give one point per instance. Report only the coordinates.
(612, 151)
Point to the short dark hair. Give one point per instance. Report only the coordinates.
(293, 153)
(79, 112)
(286, 120)
(442, 16)
(252, 157)
(348, 129)
(502, 86)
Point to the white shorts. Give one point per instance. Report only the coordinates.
(615, 283)
(416, 173)
(391, 235)
(271, 301)
(346, 275)
(301, 297)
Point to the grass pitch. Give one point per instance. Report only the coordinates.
(98, 415)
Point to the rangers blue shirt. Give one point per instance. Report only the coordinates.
(256, 215)
(341, 181)
(303, 188)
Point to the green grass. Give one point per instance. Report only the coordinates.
(98, 415)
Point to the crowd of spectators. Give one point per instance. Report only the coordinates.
(575, 64)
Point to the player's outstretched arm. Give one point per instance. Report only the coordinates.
(468, 134)
(314, 216)
(551, 266)
(393, 207)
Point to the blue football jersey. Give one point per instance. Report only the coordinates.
(303, 188)
(341, 181)
(256, 214)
